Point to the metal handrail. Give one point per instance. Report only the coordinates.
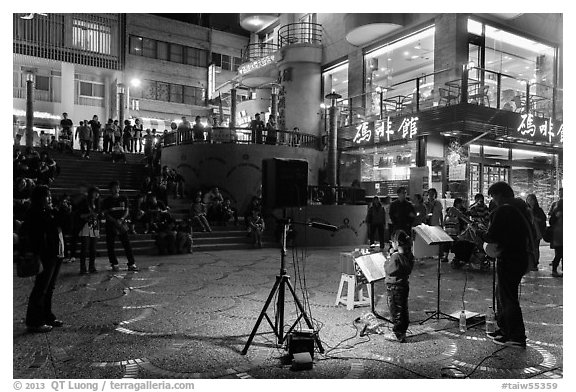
(257, 50)
(357, 108)
(327, 194)
(300, 32)
(245, 136)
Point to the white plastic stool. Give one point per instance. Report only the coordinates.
(349, 299)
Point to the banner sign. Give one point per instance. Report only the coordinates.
(540, 129)
(386, 130)
(257, 64)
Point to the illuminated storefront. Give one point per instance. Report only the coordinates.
(445, 113)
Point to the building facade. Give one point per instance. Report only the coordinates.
(119, 66)
(73, 61)
(450, 101)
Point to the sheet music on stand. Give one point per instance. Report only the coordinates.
(433, 235)
(370, 268)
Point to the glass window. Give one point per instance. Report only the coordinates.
(527, 157)
(149, 48)
(515, 55)
(86, 89)
(93, 37)
(203, 58)
(196, 57)
(162, 91)
(474, 150)
(193, 95)
(98, 90)
(136, 45)
(336, 79)
(217, 59)
(162, 50)
(226, 62)
(176, 93)
(237, 62)
(399, 61)
(495, 152)
(176, 53)
(148, 89)
(42, 83)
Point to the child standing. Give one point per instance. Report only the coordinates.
(398, 268)
(256, 227)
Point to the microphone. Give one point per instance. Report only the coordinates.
(323, 226)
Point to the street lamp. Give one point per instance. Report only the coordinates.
(29, 109)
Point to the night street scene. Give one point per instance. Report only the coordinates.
(205, 197)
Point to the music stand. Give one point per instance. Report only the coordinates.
(373, 271)
(279, 287)
(434, 235)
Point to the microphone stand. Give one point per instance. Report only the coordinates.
(283, 280)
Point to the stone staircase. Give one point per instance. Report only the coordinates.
(99, 170)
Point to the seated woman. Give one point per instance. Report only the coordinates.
(198, 214)
(118, 153)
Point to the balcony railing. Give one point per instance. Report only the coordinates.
(39, 95)
(326, 194)
(440, 89)
(258, 50)
(299, 33)
(221, 135)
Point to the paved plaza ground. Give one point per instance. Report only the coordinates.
(189, 316)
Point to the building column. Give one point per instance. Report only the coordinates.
(29, 109)
(121, 103)
(274, 102)
(332, 166)
(67, 89)
(232, 123)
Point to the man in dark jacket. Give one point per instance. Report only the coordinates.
(376, 218)
(402, 212)
(510, 230)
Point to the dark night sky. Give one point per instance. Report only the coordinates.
(222, 22)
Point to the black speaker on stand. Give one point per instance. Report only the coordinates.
(284, 183)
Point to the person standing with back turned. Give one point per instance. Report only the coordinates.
(509, 230)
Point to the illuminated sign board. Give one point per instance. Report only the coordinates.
(386, 130)
(257, 64)
(540, 129)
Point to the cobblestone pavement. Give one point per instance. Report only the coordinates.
(189, 316)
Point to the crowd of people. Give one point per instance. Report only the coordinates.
(512, 229)
(386, 216)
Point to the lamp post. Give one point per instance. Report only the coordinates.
(29, 109)
(121, 103)
(380, 92)
(332, 140)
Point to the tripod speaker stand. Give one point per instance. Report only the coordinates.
(283, 281)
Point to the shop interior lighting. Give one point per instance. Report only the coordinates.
(402, 42)
(45, 115)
